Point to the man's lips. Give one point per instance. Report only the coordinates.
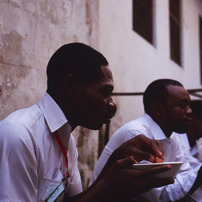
(188, 120)
(108, 118)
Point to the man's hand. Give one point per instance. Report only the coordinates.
(141, 148)
(123, 182)
(119, 180)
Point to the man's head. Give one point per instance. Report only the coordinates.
(81, 83)
(77, 59)
(195, 129)
(167, 102)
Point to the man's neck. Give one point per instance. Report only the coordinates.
(167, 132)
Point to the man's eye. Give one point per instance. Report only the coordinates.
(106, 94)
(184, 105)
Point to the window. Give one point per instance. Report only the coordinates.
(143, 18)
(200, 35)
(175, 31)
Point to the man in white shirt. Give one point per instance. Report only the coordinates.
(192, 141)
(166, 105)
(38, 154)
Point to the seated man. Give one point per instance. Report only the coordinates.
(191, 141)
(38, 151)
(166, 105)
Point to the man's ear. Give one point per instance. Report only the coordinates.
(69, 84)
(156, 109)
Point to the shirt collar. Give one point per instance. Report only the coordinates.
(54, 116)
(156, 131)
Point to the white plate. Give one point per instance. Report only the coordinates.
(166, 174)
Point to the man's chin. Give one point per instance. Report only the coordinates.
(95, 126)
(181, 130)
(98, 127)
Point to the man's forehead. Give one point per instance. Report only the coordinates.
(106, 71)
(178, 92)
(106, 76)
(104, 80)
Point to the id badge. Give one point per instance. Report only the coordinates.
(58, 192)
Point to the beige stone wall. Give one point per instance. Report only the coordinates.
(30, 31)
(135, 63)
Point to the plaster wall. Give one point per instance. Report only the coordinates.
(135, 63)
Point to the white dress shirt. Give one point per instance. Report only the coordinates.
(191, 155)
(30, 156)
(196, 150)
(199, 149)
(172, 152)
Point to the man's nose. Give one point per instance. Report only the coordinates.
(189, 111)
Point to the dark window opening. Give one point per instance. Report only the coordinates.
(175, 31)
(143, 18)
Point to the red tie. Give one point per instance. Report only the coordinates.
(63, 151)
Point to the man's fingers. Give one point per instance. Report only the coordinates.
(149, 145)
(157, 169)
(160, 148)
(156, 147)
(141, 155)
(150, 172)
(126, 162)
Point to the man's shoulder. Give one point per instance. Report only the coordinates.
(137, 123)
(20, 120)
(133, 128)
(23, 115)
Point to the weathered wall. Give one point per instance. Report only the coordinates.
(30, 31)
(135, 62)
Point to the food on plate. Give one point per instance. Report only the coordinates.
(159, 160)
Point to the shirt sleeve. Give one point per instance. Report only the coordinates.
(18, 165)
(199, 149)
(184, 178)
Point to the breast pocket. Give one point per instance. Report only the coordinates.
(48, 186)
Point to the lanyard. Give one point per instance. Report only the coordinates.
(63, 151)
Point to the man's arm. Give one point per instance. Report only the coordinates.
(119, 179)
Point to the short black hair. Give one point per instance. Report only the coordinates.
(77, 59)
(156, 91)
(196, 107)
